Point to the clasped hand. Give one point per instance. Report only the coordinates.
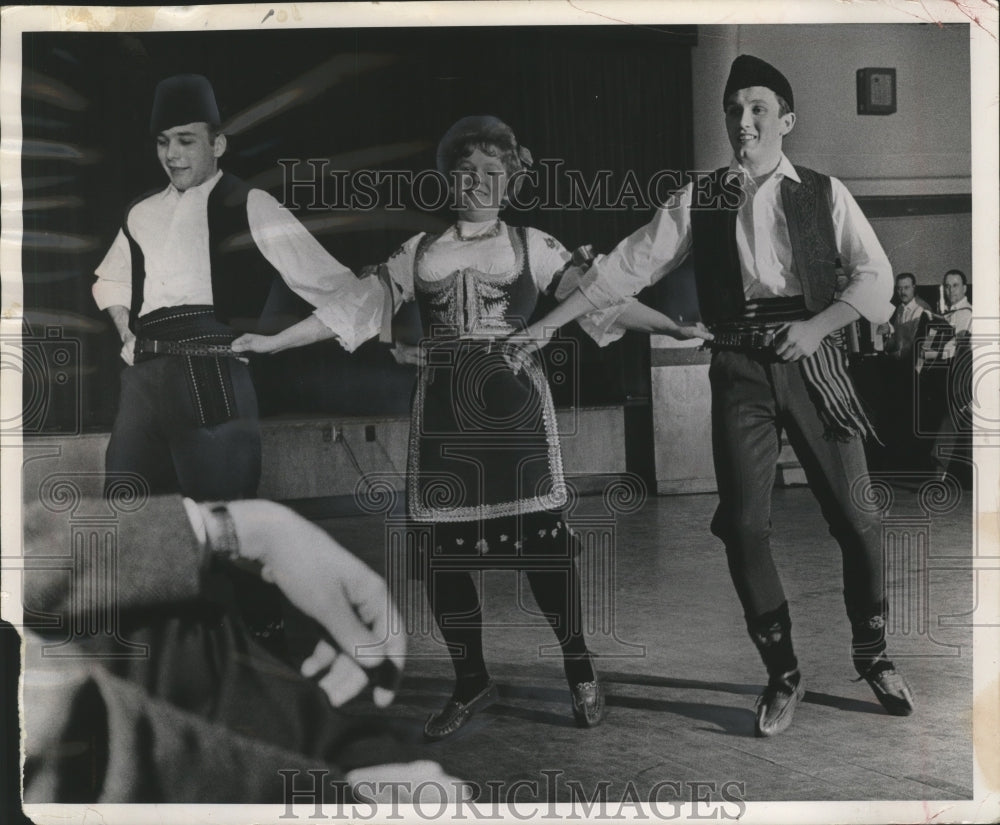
(521, 345)
(252, 342)
(128, 348)
(797, 340)
(685, 332)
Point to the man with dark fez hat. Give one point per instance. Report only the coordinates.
(786, 250)
(191, 268)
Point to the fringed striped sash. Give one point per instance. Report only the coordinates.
(825, 372)
(833, 393)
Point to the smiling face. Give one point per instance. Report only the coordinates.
(480, 181)
(756, 128)
(188, 154)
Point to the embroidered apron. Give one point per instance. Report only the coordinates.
(483, 437)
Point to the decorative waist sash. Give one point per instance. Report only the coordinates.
(195, 334)
(149, 346)
(744, 336)
(825, 371)
(755, 330)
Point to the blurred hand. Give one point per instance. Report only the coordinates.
(698, 330)
(533, 339)
(519, 349)
(797, 340)
(128, 348)
(394, 783)
(349, 600)
(517, 358)
(251, 342)
(409, 354)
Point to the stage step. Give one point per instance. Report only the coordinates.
(317, 462)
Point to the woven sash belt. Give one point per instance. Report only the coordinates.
(193, 333)
(825, 371)
(148, 346)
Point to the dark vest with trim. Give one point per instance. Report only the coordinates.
(809, 217)
(243, 280)
(469, 301)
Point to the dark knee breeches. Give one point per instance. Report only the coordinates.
(753, 400)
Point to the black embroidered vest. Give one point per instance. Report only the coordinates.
(473, 302)
(808, 214)
(242, 278)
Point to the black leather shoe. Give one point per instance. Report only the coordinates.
(455, 714)
(890, 687)
(588, 704)
(776, 704)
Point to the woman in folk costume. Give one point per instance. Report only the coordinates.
(484, 472)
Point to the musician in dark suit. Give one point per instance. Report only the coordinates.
(784, 258)
(177, 702)
(902, 331)
(953, 320)
(944, 371)
(902, 327)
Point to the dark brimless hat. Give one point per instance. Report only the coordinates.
(748, 71)
(183, 98)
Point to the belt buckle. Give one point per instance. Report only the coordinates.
(746, 336)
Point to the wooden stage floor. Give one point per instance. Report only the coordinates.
(682, 675)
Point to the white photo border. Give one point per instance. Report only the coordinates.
(982, 18)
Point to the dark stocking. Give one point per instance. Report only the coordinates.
(558, 595)
(454, 601)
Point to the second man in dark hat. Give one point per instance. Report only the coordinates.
(784, 259)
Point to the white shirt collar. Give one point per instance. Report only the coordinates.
(203, 188)
(782, 170)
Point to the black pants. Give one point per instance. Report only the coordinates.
(753, 400)
(946, 421)
(156, 434)
(902, 417)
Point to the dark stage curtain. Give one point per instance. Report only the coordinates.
(611, 101)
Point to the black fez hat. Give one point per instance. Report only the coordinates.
(183, 98)
(748, 71)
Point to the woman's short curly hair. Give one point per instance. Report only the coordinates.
(487, 133)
